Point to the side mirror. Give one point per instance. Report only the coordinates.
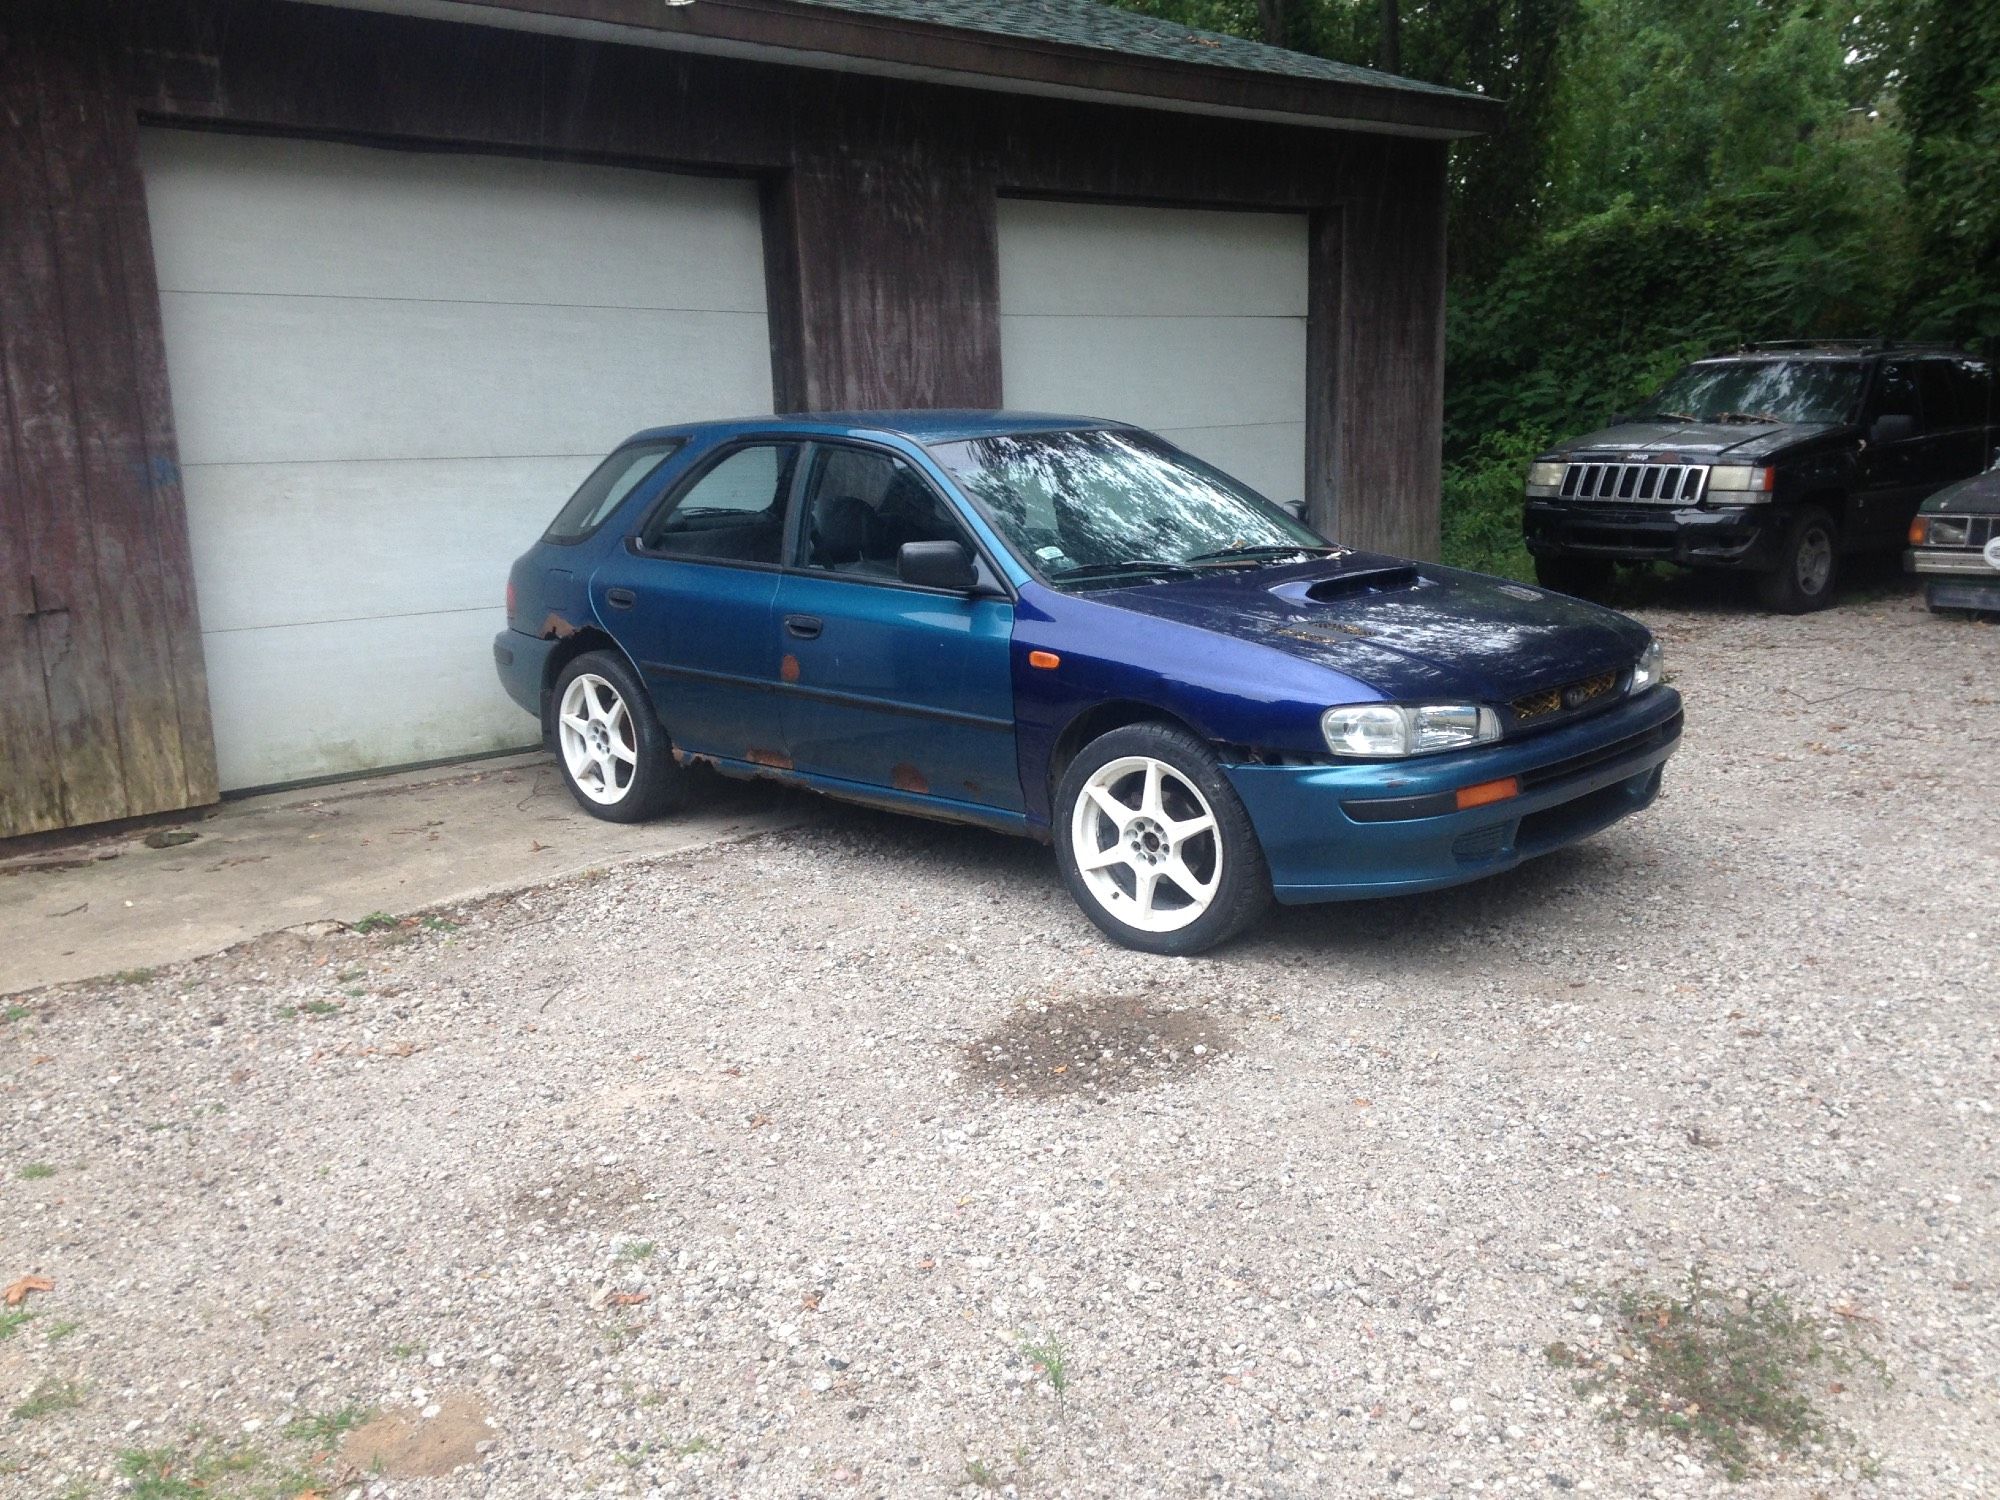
(1893, 427)
(1296, 509)
(937, 565)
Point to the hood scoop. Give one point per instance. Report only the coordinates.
(1349, 585)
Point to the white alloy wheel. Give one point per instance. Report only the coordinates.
(1146, 843)
(594, 727)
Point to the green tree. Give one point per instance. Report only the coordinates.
(1951, 100)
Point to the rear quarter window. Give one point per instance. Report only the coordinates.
(614, 479)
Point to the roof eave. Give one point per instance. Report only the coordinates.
(815, 37)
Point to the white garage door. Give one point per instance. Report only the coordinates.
(389, 369)
(1187, 321)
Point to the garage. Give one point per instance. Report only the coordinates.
(388, 369)
(315, 313)
(1189, 321)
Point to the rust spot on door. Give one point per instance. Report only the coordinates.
(555, 627)
(769, 758)
(907, 778)
(789, 668)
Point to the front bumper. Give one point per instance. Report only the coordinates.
(1697, 536)
(1574, 781)
(1955, 578)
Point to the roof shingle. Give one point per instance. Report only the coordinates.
(1106, 28)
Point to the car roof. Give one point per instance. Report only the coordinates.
(917, 426)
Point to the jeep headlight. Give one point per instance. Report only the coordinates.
(1649, 669)
(1387, 730)
(1743, 483)
(1549, 474)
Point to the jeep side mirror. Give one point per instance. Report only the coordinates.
(937, 565)
(1892, 427)
(1296, 509)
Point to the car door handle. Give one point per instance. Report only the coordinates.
(805, 627)
(620, 598)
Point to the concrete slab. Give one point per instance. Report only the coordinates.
(330, 853)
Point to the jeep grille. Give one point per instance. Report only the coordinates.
(1648, 484)
(1554, 700)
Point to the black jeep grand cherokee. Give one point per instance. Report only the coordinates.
(1775, 460)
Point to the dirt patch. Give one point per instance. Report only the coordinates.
(1093, 1046)
(407, 1445)
(581, 1196)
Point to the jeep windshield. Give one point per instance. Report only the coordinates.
(1758, 390)
(1102, 507)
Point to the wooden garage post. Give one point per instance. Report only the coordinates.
(1391, 369)
(883, 285)
(97, 527)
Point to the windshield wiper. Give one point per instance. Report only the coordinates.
(1669, 416)
(1748, 416)
(1121, 569)
(1223, 557)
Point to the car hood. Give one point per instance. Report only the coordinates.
(1697, 442)
(1408, 630)
(1978, 496)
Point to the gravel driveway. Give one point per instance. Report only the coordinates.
(851, 1161)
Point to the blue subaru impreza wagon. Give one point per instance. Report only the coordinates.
(1071, 629)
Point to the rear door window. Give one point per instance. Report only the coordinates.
(1974, 383)
(734, 512)
(1940, 394)
(608, 485)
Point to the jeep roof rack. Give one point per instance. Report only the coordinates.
(1845, 346)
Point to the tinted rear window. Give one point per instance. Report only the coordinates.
(613, 480)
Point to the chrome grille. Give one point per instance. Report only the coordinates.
(1555, 700)
(1644, 484)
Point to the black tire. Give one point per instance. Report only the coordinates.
(1580, 577)
(1242, 883)
(657, 782)
(1808, 569)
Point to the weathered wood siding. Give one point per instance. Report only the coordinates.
(94, 571)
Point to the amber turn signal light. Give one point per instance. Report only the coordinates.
(1046, 660)
(1919, 531)
(1488, 791)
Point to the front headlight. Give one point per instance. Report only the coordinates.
(1384, 730)
(1546, 473)
(1949, 531)
(1742, 483)
(1649, 669)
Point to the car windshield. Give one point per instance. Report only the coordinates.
(1103, 506)
(1759, 390)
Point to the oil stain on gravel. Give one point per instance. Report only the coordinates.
(1091, 1047)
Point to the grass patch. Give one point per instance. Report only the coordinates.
(47, 1398)
(636, 1250)
(132, 976)
(15, 1013)
(35, 1171)
(320, 1008)
(376, 921)
(1730, 1375)
(1052, 1360)
(696, 1444)
(11, 1323)
(405, 1351)
(60, 1331)
(327, 1426)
